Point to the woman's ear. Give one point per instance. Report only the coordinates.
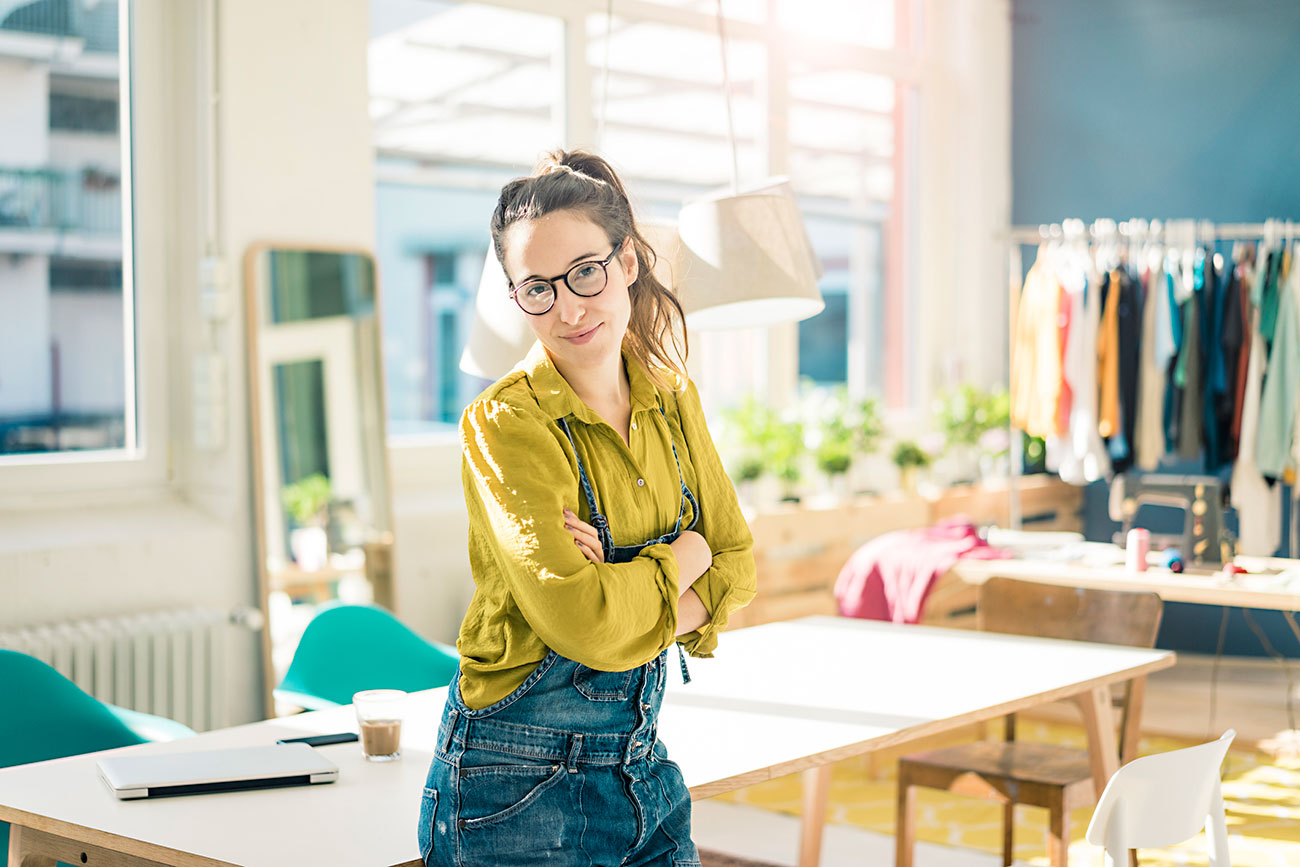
(627, 256)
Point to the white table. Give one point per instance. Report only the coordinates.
(779, 698)
(1259, 589)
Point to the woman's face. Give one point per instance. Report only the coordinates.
(578, 332)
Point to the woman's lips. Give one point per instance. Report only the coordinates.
(585, 336)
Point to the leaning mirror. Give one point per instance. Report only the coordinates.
(319, 457)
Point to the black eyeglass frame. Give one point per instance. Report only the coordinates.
(604, 266)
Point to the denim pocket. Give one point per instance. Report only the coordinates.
(603, 685)
(428, 807)
(492, 794)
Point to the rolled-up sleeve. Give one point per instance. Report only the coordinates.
(518, 480)
(732, 580)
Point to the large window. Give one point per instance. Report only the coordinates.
(67, 380)
(465, 95)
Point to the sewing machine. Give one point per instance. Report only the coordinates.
(1205, 541)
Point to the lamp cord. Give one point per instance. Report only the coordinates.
(726, 93)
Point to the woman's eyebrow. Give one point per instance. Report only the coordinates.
(575, 260)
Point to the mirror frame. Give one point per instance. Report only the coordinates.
(252, 328)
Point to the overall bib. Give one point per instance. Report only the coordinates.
(567, 770)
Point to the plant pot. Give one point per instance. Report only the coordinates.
(310, 548)
(907, 479)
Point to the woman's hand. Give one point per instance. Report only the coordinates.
(586, 537)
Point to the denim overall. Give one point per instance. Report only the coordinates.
(567, 770)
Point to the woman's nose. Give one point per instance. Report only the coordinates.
(570, 306)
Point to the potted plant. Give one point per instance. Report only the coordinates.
(307, 502)
(761, 443)
(971, 419)
(910, 460)
(784, 452)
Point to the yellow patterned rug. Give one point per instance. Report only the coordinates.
(1262, 795)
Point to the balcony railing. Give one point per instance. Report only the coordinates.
(96, 25)
(68, 201)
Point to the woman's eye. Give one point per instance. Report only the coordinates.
(585, 272)
(536, 290)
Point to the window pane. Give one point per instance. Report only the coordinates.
(665, 114)
(843, 344)
(65, 368)
(463, 82)
(862, 22)
(463, 98)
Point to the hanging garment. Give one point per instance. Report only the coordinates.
(1130, 348)
(1083, 456)
(1108, 357)
(1213, 294)
(1156, 351)
(1245, 279)
(1258, 504)
(1232, 337)
(1173, 394)
(1036, 353)
(1189, 380)
(1269, 299)
(1277, 406)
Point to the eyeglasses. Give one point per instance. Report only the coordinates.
(586, 279)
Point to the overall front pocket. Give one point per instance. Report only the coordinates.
(603, 685)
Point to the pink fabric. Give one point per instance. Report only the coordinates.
(889, 577)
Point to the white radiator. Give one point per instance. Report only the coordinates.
(168, 663)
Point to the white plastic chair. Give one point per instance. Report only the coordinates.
(1161, 800)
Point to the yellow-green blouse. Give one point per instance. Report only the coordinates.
(534, 588)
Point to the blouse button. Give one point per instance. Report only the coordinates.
(640, 483)
(633, 425)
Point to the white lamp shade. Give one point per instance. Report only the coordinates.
(500, 335)
(746, 261)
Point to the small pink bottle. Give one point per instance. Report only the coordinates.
(1136, 546)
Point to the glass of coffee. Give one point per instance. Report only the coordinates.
(379, 714)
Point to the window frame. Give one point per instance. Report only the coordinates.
(906, 64)
(89, 478)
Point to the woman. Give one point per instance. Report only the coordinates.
(602, 529)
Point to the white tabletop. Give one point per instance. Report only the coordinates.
(1269, 584)
(777, 699)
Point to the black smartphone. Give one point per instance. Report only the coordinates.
(321, 740)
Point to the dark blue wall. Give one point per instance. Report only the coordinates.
(1155, 108)
(1159, 109)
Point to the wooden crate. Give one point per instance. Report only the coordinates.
(799, 551)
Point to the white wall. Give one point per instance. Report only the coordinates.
(25, 350)
(75, 150)
(430, 556)
(24, 103)
(87, 329)
(965, 194)
(295, 166)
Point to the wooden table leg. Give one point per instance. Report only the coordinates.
(816, 792)
(1102, 747)
(31, 848)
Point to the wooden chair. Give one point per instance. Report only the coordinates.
(1054, 777)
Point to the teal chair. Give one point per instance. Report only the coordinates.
(348, 648)
(51, 717)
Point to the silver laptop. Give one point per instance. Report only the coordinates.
(205, 771)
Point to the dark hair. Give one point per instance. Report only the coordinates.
(583, 182)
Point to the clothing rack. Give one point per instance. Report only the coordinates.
(1153, 229)
(1106, 229)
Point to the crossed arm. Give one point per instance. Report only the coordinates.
(693, 559)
